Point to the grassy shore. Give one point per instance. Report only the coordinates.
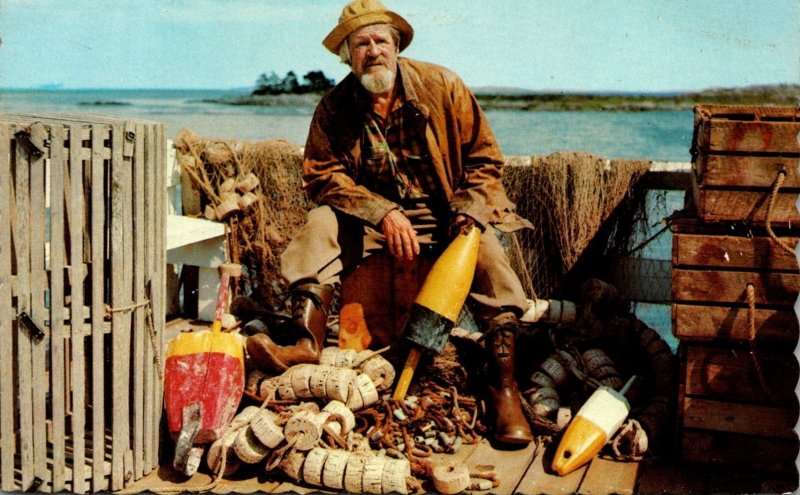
(783, 94)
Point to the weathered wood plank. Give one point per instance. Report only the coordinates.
(98, 242)
(7, 439)
(21, 242)
(120, 332)
(722, 205)
(744, 170)
(510, 465)
(605, 476)
(38, 209)
(750, 253)
(749, 419)
(732, 323)
(744, 451)
(57, 332)
(723, 373)
(78, 357)
(153, 402)
(140, 337)
(722, 135)
(714, 286)
(158, 147)
(540, 478)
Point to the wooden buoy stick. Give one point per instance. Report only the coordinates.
(407, 374)
(226, 271)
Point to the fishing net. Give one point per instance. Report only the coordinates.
(582, 207)
(569, 197)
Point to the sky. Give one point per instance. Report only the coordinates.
(543, 45)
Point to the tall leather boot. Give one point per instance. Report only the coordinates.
(511, 426)
(311, 304)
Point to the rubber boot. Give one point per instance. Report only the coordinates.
(511, 426)
(310, 306)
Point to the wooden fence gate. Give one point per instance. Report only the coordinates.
(82, 221)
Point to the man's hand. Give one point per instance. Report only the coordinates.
(400, 235)
(462, 224)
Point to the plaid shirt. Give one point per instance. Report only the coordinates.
(394, 159)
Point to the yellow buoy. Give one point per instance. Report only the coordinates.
(596, 422)
(439, 302)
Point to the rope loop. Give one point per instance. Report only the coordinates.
(772, 200)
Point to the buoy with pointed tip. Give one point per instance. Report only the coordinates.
(594, 425)
(439, 302)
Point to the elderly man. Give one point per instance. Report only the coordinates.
(400, 156)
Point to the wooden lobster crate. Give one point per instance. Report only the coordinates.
(733, 292)
(82, 276)
(745, 162)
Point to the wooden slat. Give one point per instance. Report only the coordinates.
(720, 135)
(140, 338)
(723, 373)
(606, 476)
(98, 223)
(120, 332)
(77, 362)
(7, 438)
(508, 464)
(743, 170)
(38, 311)
(24, 348)
(732, 323)
(57, 332)
(749, 253)
(776, 422)
(746, 452)
(161, 261)
(731, 287)
(151, 421)
(722, 205)
(540, 478)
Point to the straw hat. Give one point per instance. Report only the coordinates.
(360, 13)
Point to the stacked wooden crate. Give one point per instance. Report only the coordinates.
(82, 218)
(735, 280)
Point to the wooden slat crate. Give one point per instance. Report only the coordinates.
(81, 301)
(737, 404)
(738, 154)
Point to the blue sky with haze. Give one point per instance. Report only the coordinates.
(580, 45)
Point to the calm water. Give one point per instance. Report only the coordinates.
(652, 135)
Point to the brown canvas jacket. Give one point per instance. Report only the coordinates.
(462, 147)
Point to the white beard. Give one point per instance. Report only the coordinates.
(378, 82)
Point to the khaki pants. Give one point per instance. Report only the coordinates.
(331, 244)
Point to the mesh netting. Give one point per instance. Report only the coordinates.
(569, 197)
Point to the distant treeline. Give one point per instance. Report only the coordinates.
(314, 81)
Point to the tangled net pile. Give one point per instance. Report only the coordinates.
(569, 197)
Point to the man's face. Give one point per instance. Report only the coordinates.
(373, 57)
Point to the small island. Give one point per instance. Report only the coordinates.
(271, 90)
